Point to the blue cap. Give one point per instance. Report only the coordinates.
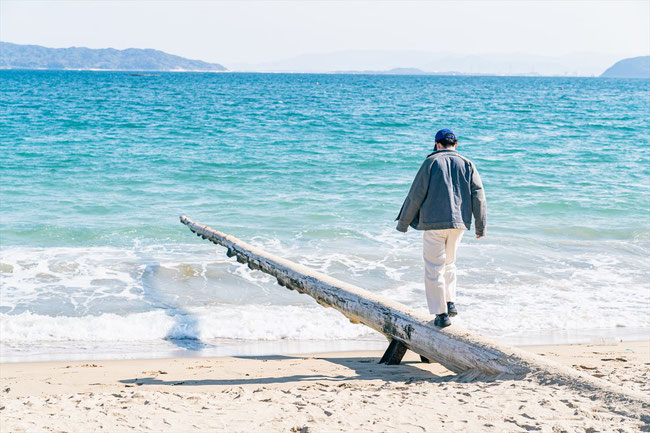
(445, 133)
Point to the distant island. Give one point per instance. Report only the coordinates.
(394, 71)
(635, 67)
(413, 71)
(415, 62)
(15, 56)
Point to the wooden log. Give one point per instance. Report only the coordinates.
(394, 353)
(458, 349)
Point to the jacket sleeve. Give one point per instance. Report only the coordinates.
(479, 205)
(416, 196)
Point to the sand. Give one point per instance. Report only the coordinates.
(331, 392)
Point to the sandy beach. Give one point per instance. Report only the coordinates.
(326, 392)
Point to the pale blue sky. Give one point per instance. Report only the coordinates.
(250, 32)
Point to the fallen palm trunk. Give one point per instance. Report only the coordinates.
(457, 349)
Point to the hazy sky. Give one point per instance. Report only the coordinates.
(233, 32)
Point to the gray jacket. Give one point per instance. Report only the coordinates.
(445, 194)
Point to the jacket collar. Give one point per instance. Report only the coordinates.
(442, 151)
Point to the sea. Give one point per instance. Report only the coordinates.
(97, 167)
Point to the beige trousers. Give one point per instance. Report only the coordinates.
(440, 267)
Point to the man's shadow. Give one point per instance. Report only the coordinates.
(186, 332)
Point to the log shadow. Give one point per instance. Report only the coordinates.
(360, 368)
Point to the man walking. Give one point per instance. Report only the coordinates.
(445, 194)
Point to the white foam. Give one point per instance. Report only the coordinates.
(244, 322)
(74, 280)
(154, 293)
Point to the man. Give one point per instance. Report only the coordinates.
(445, 194)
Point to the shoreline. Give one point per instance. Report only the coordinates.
(352, 72)
(103, 351)
(319, 392)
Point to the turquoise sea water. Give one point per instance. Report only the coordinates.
(97, 167)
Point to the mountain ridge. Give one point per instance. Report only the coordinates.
(632, 67)
(575, 64)
(18, 56)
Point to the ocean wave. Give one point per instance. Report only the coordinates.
(242, 322)
(509, 285)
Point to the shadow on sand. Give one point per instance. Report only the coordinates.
(359, 368)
